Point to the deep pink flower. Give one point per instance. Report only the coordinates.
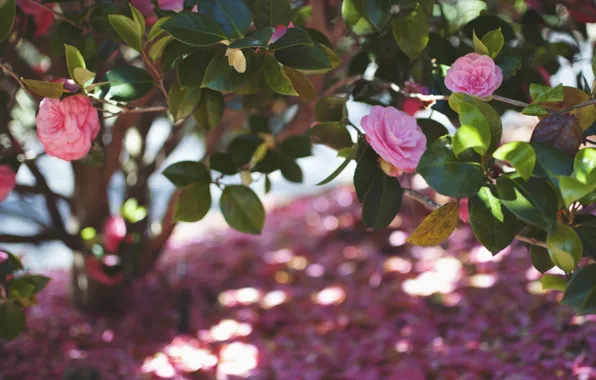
(413, 105)
(44, 19)
(395, 136)
(3, 257)
(463, 210)
(8, 180)
(475, 75)
(67, 128)
(146, 9)
(94, 268)
(114, 231)
(171, 5)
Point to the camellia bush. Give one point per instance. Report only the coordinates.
(261, 81)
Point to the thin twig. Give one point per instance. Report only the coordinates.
(510, 101)
(432, 205)
(62, 17)
(15, 77)
(155, 73)
(580, 105)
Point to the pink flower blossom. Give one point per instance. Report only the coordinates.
(114, 231)
(7, 181)
(279, 32)
(171, 5)
(463, 210)
(3, 257)
(413, 105)
(43, 18)
(475, 75)
(67, 128)
(395, 136)
(146, 8)
(94, 268)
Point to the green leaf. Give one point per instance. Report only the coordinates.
(411, 32)
(184, 173)
(138, 19)
(448, 175)
(520, 155)
(573, 190)
(128, 30)
(535, 110)
(474, 131)
(301, 84)
(296, 146)
(242, 148)
(552, 282)
(259, 38)
(551, 162)
(191, 70)
(593, 63)
(494, 42)
(84, 77)
(382, 201)
(534, 201)
(194, 29)
(173, 53)
(333, 134)
(39, 282)
(436, 227)
(340, 168)
(193, 203)
(12, 320)
(126, 83)
(7, 17)
(291, 170)
(272, 13)
(331, 108)
(293, 37)
(579, 287)
(210, 110)
(432, 129)
(156, 28)
(233, 16)
(74, 60)
(367, 167)
(45, 89)
(479, 46)
(541, 94)
(181, 102)
(242, 209)
(493, 225)
(377, 12)
(158, 47)
(223, 163)
(304, 57)
(564, 247)
(352, 12)
(541, 259)
(509, 62)
(220, 76)
(276, 77)
(584, 165)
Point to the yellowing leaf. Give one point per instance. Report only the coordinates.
(45, 89)
(436, 227)
(572, 96)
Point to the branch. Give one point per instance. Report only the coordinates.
(28, 189)
(510, 101)
(580, 105)
(43, 236)
(15, 77)
(62, 17)
(432, 205)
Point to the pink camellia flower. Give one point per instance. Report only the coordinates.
(463, 210)
(43, 18)
(8, 180)
(475, 75)
(114, 231)
(66, 128)
(171, 5)
(395, 136)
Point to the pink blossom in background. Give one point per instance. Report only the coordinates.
(67, 128)
(94, 268)
(395, 136)
(279, 32)
(475, 75)
(68, 84)
(114, 231)
(463, 210)
(3, 257)
(8, 180)
(171, 5)
(44, 19)
(146, 9)
(413, 105)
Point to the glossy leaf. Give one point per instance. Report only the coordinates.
(353, 14)
(276, 77)
(191, 70)
(291, 170)
(377, 12)
(333, 134)
(259, 38)
(293, 37)
(520, 155)
(304, 57)
(541, 259)
(301, 84)
(45, 89)
(193, 203)
(223, 163)
(181, 102)
(126, 83)
(579, 287)
(584, 165)
(296, 146)
(561, 131)
(7, 17)
(331, 108)
(494, 42)
(242, 209)
(272, 13)
(573, 190)
(432, 129)
(474, 131)
(564, 247)
(550, 163)
(184, 173)
(74, 60)
(220, 76)
(411, 32)
(382, 201)
(541, 93)
(436, 227)
(210, 110)
(128, 30)
(492, 117)
(552, 282)
(194, 29)
(233, 16)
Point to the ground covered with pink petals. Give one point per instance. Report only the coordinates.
(317, 297)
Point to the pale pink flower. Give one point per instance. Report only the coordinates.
(114, 231)
(8, 180)
(66, 128)
(171, 5)
(395, 136)
(463, 210)
(475, 75)
(43, 18)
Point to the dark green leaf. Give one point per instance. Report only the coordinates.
(541, 94)
(223, 163)
(333, 134)
(181, 102)
(242, 209)
(534, 201)
(331, 108)
(411, 32)
(7, 17)
(259, 38)
(194, 29)
(272, 13)
(191, 70)
(126, 83)
(367, 167)
(448, 175)
(296, 146)
(520, 155)
(293, 37)
(493, 225)
(291, 170)
(509, 62)
(541, 259)
(535, 110)
(220, 76)
(210, 110)
(12, 320)
(382, 201)
(184, 173)
(353, 14)
(233, 16)
(276, 77)
(340, 168)
(194, 203)
(173, 53)
(579, 287)
(243, 147)
(432, 129)
(377, 12)
(550, 163)
(304, 57)
(487, 23)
